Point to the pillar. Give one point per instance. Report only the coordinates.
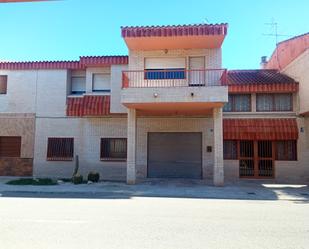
(131, 140)
(218, 174)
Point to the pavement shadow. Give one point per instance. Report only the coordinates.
(242, 190)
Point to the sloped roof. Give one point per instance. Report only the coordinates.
(78, 64)
(258, 76)
(287, 51)
(175, 30)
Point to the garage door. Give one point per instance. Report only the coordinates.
(175, 155)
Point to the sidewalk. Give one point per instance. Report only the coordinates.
(244, 190)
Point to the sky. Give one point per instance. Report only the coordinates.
(67, 29)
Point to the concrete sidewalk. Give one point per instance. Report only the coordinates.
(244, 190)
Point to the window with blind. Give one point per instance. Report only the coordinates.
(113, 149)
(165, 68)
(238, 103)
(60, 149)
(78, 84)
(10, 146)
(230, 149)
(276, 102)
(3, 84)
(286, 150)
(101, 82)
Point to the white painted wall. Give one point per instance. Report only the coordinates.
(21, 91)
(116, 83)
(298, 70)
(87, 133)
(51, 93)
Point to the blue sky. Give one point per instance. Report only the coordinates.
(64, 30)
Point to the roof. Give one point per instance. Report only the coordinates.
(287, 51)
(175, 30)
(83, 62)
(260, 129)
(258, 76)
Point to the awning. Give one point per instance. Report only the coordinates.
(264, 88)
(260, 129)
(88, 106)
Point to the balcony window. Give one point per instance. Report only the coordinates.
(101, 82)
(3, 84)
(238, 103)
(165, 68)
(277, 102)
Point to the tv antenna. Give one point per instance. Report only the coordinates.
(274, 30)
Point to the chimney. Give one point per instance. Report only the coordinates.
(263, 62)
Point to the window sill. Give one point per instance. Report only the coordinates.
(112, 160)
(59, 159)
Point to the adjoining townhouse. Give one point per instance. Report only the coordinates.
(168, 110)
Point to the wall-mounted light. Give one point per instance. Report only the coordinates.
(155, 95)
(192, 94)
(302, 129)
(165, 51)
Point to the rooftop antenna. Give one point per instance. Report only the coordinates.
(274, 27)
(274, 33)
(205, 20)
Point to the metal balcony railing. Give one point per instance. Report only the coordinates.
(173, 78)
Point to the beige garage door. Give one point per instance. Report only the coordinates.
(175, 155)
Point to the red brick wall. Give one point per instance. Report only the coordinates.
(16, 166)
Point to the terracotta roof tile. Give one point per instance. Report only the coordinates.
(84, 62)
(175, 30)
(259, 76)
(259, 81)
(260, 129)
(88, 105)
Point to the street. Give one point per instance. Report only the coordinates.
(147, 222)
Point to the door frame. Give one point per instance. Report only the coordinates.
(189, 72)
(256, 159)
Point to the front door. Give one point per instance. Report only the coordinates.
(256, 159)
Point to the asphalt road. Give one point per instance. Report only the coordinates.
(144, 222)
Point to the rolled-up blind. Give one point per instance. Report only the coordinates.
(101, 82)
(162, 63)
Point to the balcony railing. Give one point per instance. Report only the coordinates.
(173, 78)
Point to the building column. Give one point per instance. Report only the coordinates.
(218, 174)
(131, 141)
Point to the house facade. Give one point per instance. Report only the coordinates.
(167, 110)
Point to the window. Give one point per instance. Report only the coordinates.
(3, 84)
(165, 68)
(286, 150)
(101, 82)
(78, 84)
(277, 102)
(113, 149)
(60, 149)
(10, 146)
(238, 103)
(230, 149)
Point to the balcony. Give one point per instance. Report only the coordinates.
(173, 78)
(178, 91)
